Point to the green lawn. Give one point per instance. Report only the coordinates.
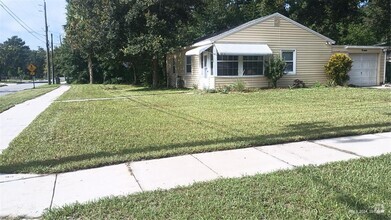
(10, 100)
(358, 189)
(141, 124)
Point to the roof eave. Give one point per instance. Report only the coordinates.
(363, 47)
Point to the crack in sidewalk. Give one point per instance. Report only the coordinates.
(337, 149)
(294, 166)
(132, 174)
(53, 192)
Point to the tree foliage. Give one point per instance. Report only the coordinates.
(89, 28)
(126, 40)
(15, 57)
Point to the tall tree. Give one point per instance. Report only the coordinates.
(13, 55)
(378, 19)
(38, 57)
(70, 63)
(152, 28)
(88, 28)
(330, 18)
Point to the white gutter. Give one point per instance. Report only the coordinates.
(363, 47)
(202, 43)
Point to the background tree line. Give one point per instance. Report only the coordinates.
(125, 41)
(15, 56)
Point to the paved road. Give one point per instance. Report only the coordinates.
(11, 88)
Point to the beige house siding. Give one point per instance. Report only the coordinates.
(378, 51)
(251, 82)
(312, 52)
(263, 82)
(190, 80)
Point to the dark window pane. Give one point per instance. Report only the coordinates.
(188, 64)
(227, 68)
(173, 66)
(287, 56)
(228, 58)
(289, 67)
(252, 68)
(254, 58)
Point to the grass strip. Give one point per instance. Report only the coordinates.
(10, 100)
(356, 189)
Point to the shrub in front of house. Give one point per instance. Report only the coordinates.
(238, 86)
(275, 70)
(337, 69)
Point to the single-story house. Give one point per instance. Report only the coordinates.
(241, 53)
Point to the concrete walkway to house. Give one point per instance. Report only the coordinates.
(28, 195)
(17, 118)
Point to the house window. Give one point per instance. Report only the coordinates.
(289, 56)
(227, 65)
(252, 65)
(173, 65)
(188, 64)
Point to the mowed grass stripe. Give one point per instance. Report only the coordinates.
(10, 100)
(357, 189)
(161, 123)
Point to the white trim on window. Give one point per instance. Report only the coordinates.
(293, 61)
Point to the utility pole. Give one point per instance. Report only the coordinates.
(52, 63)
(47, 43)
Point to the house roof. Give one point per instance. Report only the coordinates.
(254, 22)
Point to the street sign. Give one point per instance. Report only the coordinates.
(31, 68)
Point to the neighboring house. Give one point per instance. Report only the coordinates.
(243, 52)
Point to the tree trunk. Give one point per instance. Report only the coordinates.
(134, 74)
(154, 72)
(165, 71)
(90, 71)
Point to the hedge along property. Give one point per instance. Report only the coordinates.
(242, 53)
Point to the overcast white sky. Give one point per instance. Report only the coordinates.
(31, 13)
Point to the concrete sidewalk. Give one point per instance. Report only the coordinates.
(29, 195)
(17, 118)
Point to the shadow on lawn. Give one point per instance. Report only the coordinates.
(356, 206)
(305, 131)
